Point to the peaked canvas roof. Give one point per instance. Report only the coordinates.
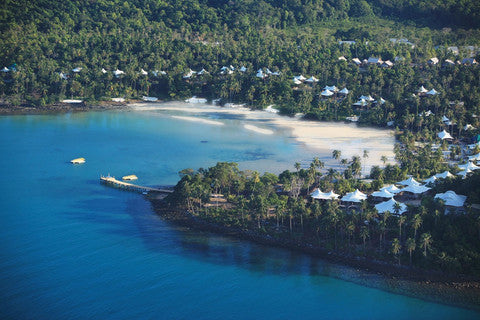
(445, 119)
(312, 79)
(451, 198)
(444, 135)
(474, 157)
(242, 69)
(390, 206)
(361, 103)
(327, 93)
(416, 189)
(430, 180)
(409, 182)
(392, 189)
(382, 194)
(344, 91)
(331, 88)
(317, 194)
(464, 173)
(422, 90)
(432, 92)
(356, 61)
(355, 196)
(468, 166)
(300, 77)
(118, 72)
(296, 81)
(444, 175)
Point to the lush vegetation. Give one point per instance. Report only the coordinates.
(279, 207)
(46, 38)
(43, 41)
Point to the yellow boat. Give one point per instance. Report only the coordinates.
(78, 160)
(130, 177)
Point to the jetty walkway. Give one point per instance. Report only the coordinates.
(130, 186)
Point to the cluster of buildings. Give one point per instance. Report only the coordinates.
(405, 190)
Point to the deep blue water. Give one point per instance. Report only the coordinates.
(72, 248)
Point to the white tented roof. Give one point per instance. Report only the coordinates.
(422, 90)
(296, 81)
(300, 77)
(464, 173)
(118, 72)
(392, 189)
(409, 182)
(432, 92)
(444, 175)
(382, 194)
(356, 196)
(361, 103)
(317, 194)
(344, 91)
(331, 88)
(451, 198)
(474, 157)
(430, 180)
(444, 135)
(327, 93)
(415, 189)
(468, 166)
(312, 79)
(390, 206)
(356, 61)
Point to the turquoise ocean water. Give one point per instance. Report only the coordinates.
(72, 248)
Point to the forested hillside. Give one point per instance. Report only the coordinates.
(44, 41)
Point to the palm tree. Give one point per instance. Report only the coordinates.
(350, 230)
(336, 154)
(396, 247)
(384, 159)
(416, 223)
(401, 220)
(297, 166)
(356, 165)
(411, 245)
(425, 242)
(365, 156)
(255, 179)
(364, 235)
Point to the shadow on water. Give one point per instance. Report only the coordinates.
(137, 219)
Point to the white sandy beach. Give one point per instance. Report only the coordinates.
(323, 137)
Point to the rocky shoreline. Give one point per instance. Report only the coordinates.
(452, 289)
(6, 109)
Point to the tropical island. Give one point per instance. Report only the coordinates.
(378, 63)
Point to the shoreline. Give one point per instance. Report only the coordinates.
(450, 289)
(56, 108)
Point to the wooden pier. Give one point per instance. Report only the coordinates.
(130, 186)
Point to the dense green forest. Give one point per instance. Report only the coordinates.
(43, 41)
(279, 207)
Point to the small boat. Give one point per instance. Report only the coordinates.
(78, 161)
(130, 177)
